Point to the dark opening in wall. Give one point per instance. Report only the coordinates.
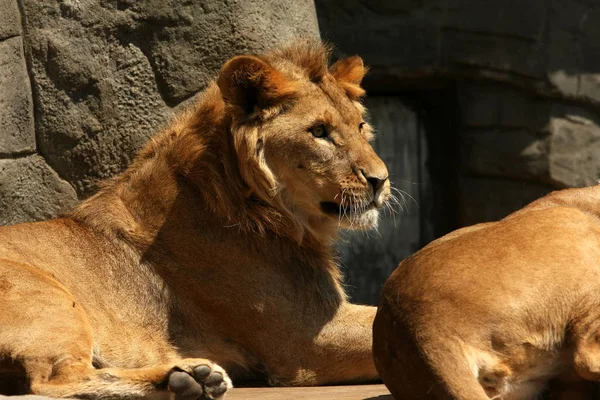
(417, 139)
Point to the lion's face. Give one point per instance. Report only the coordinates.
(319, 152)
(301, 138)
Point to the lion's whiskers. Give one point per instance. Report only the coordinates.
(352, 209)
(342, 208)
(394, 202)
(403, 194)
(392, 212)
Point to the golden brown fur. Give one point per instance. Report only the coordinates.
(213, 249)
(501, 310)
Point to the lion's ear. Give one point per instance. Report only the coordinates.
(349, 73)
(250, 82)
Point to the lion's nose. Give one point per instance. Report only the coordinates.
(376, 182)
(378, 185)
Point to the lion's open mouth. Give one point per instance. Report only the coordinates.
(352, 217)
(329, 207)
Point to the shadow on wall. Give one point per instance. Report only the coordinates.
(524, 108)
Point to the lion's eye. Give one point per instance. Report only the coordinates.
(318, 131)
(361, 125)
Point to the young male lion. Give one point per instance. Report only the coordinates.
(502, 310)
(212, 252)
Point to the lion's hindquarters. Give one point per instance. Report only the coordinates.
(420, 366)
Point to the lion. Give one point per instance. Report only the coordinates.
(501, 310)
(211, 257)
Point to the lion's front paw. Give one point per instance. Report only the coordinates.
(198, 379)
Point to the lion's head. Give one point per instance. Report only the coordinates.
(300, 135)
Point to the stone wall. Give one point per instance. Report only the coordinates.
(83, 84)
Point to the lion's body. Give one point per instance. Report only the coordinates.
(499, 310)
(183, 262)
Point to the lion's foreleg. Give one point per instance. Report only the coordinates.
(340, 353)
(348, 340)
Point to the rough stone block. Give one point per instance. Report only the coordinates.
(101, 103)
(523, 19)
(564, 62)
(384, 34)
(31, 191)
(489, 52)
(508, 133)
(17, 134)
(483, 200)
(507, 153)
(10, 19)
(589, 86)
(494, 105)
(588, 38)
(186, 43)
(568, 16)
(574, 159)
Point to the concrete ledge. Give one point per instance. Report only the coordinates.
(354, 392)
